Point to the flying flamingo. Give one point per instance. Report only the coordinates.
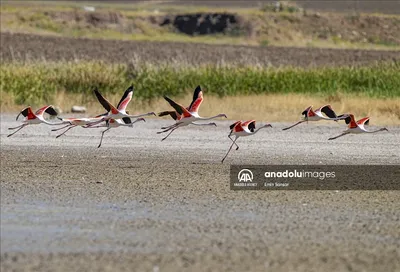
(357, 127)
(119, 112)
(113, 123)
(185, 116)
(34, 118)
(242, 129)
(83, 122)
(311, 115)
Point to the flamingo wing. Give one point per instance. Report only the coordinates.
(251, 125)
(27, 112)
(104, 102)
(127, 120)
(197, 100)
(351, 121)
(347, 119)
(327, 109)
(126, 98)
(48, 109)
(179, 108)
(306, 111)
(362, 122)
(234, 124)
(173, 114)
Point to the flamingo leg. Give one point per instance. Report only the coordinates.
(168, 134)
(16, 127)
(234, 142)
(72, 126)
(94, 123)
(294, 125)
(19, 128)
(159, 132)
(333, 138)
(56, 129)
(102, 134)
(94, 126)
(172, 126)
(237, 147)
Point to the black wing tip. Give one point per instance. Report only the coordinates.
(163, 113)
(127, 120)
(198, 88)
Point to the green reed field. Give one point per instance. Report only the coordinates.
(38, 83)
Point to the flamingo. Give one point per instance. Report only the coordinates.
(357, 127)
(34, 118)
(310, 115)
(242, 129)
(119, 111)
(113, 123)
(83, 122)
(185, 116)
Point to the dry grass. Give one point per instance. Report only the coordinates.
(267, 108)
(300, 29)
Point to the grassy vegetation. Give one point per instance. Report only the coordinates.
(289, 27)
(38, 83)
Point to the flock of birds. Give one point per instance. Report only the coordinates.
(183, 116)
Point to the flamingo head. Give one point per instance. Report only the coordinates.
(267, 125)
(222, 115)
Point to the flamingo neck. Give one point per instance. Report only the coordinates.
(378, 130)
(212, 117)
(257, 130)
(50, 123)
(140, 115)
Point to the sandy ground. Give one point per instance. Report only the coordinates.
(139, 204)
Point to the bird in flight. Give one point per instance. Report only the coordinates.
(114, 123)
(186, 116)
(119, 112)
(317, 115)
(34, 118)
(357, 127)
(242, 129)
(83, 122)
